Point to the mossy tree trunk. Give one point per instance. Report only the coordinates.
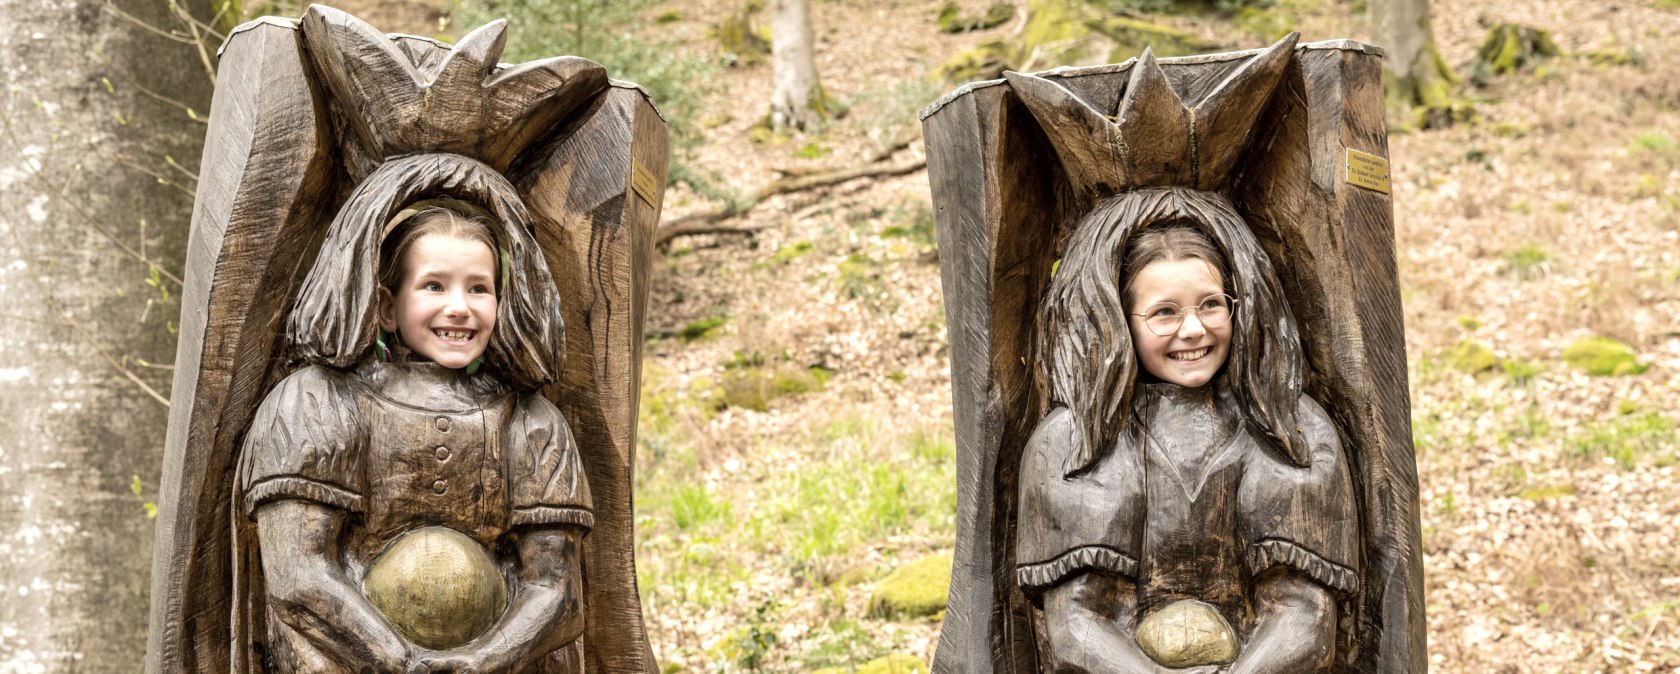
(798, 101)
(93, 227)
(1417, 79)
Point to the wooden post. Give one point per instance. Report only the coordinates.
(1005, 209)
(589, 162)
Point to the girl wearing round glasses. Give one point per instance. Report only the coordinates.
(1181, 482)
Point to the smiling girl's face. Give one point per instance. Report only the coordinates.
(443, 305)
(1193, 354)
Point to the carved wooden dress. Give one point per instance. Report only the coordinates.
(301, 468)
(407, 446)
(1108, 522)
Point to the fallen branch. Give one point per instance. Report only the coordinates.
(704, 222)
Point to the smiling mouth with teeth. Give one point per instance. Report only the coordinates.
(455, 335)
(1189, 355)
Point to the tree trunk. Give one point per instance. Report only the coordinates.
(1415, 75)
(87, 197)
(798, 101)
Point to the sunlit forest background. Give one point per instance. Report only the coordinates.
(795, 490)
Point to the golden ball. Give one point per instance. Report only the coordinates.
(438, 587)
(1187, 634)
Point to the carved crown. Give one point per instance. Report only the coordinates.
(398, 100)
(1156, 139)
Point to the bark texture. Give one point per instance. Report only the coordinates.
(79, 139)
(797, 101)
(1415, 75)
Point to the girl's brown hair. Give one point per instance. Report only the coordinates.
(433, 220)
(1168, 242)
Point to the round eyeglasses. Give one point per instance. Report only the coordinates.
(1213, 311)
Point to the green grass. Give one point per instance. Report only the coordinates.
(1527, 262)
(1521, 371)
(1625, 439)
(693, 506)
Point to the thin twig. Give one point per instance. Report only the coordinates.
(171, 161)
(53, 306)
(191, 113)
(698, 222)
(63, 195)
(203, 54)
(161, 178)
(182, 14)
(183, 39)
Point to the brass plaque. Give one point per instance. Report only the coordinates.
(1367, 170)
(642, 181)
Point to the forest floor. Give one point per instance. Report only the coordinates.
(796, 437)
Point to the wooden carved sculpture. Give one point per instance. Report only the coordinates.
(404, 406)
(1182, 416)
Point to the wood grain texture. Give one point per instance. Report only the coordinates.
(598, 236)
(1004, 211)
(280, 161)
(267, 175)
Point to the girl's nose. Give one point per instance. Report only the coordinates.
(1191, 326)
(455, 305)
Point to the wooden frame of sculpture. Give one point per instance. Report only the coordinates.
(294, 131)
(1312, 185)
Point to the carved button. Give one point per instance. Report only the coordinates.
(442, 453)
(443, 424)
(440, 486)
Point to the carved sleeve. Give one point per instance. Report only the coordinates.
(306, 442)
(1304, 517)
(1069, 525)
(548, 485)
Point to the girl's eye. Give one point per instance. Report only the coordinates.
(1163, 311)
(482, 290)
(1215, 302)
(434, 286)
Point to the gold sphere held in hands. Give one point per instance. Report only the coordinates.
(1187, 634)
(438, 587)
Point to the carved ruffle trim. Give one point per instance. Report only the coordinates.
(278, 488)
(553, 515)
(1278, 552)
(1045, 574)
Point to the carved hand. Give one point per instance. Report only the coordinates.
(446, 662)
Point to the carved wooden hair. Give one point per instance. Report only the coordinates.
(336, 314)
(1085, 347)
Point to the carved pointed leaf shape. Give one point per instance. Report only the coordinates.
(1155, 127)
(462, 104)
(1083, 136)
(1227, 115)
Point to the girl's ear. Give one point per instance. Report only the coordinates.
(387, 310)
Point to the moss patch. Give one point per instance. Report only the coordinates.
(1472, 356)
(919, 588)
(742, 43)
(754, 387)
(1603, 357)
(700, 329)
(896, 663)
(952, 20)
(1509, 48)
(985, 62)
(1130, 36)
